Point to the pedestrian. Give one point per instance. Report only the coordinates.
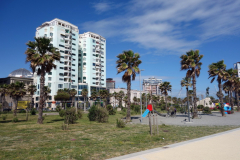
(175, 111)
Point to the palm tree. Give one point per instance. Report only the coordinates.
(42, 56)
(125, 99)
(46, 92)
(103, 95)
(94, 95)
(3, 91)
(73, 93)
(218, 70)
(186, 82)
(164, 88)
(135, 100)
(120, 97)
(232, 76)
(115, 95)
(84, 94)
(191, 62)
(226, 88)
(32, 89)
(237, 89)
(128, 62)
(16, 91)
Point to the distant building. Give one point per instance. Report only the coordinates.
(110, 83)
(152, 85)
(134, 93)
(20, 75)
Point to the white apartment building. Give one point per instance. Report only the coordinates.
(92, 62)
(82, 63)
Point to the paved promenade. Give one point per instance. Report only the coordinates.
(214, 119)
(221, 146)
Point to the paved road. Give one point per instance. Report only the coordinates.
(214, 119)
(221, 146)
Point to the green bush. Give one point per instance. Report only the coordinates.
(137, 108)
(200, 107)
(207, 110)
(22, 111)
(70, 115)
(102, 115)
(4, 117)
(110, 110)
(15, 119)
(62, 113)
(215, 108)
(120, 123)
(33, 111)
(58, 108)
(92, 113)
(132, 106)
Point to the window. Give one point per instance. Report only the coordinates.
(49, 85)
(79, 55)
(84, 54)
(84, 77)
(93, 41)
(37, 92)
(62, 57)
(74, 44)
(79, 92)
(60, 74)
(74, 59)
(45, 35)
(73, 34)
(49, 78)
(93, 50)
(73, 80)
(82, 86)
(61, 45)
(50, 97)
(74, 39)
(93, 64)
(84, 63)
(38, 86)
(73, 86)
(37, 98)
(61, 67)
(73, 75)
(73, 49)
(60, 86)
(73, 69)
(73, 64)
(61, 62)
(61, 79)
(51, 34)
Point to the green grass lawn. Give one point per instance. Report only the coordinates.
(85, 139)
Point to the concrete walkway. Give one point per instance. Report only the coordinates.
(221, 146)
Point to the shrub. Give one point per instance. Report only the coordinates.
(110, 110)
(92, 113)
(137, 108)
(207, 110)
(62, 113)
(4, 117)
(102, 115)
(70, 115)
(120, 123)
(15, 119)
(58, 108)
(22, 111)
(132, 106)
(33, 111)
(200, 107)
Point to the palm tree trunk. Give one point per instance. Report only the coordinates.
(128, 118)
(166, 102)
(237, 95)
(231, 101)
(221, 98)
(15, 109)
(41, 103)
(229, 98)
(84, 105)
(194, 97)
(188, 105)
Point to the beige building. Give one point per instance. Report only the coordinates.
(134, 93)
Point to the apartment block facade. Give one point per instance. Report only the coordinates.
(152, 85)
(79, 67)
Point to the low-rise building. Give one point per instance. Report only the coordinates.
(152, 85)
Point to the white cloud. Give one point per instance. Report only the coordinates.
(102, 7)
(171, 26)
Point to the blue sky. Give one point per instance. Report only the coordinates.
(159, 30)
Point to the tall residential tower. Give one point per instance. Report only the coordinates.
(82, 63)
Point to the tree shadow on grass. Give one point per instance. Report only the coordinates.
(8, 121)
(56, 120)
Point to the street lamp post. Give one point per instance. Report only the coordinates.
(140, 88)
